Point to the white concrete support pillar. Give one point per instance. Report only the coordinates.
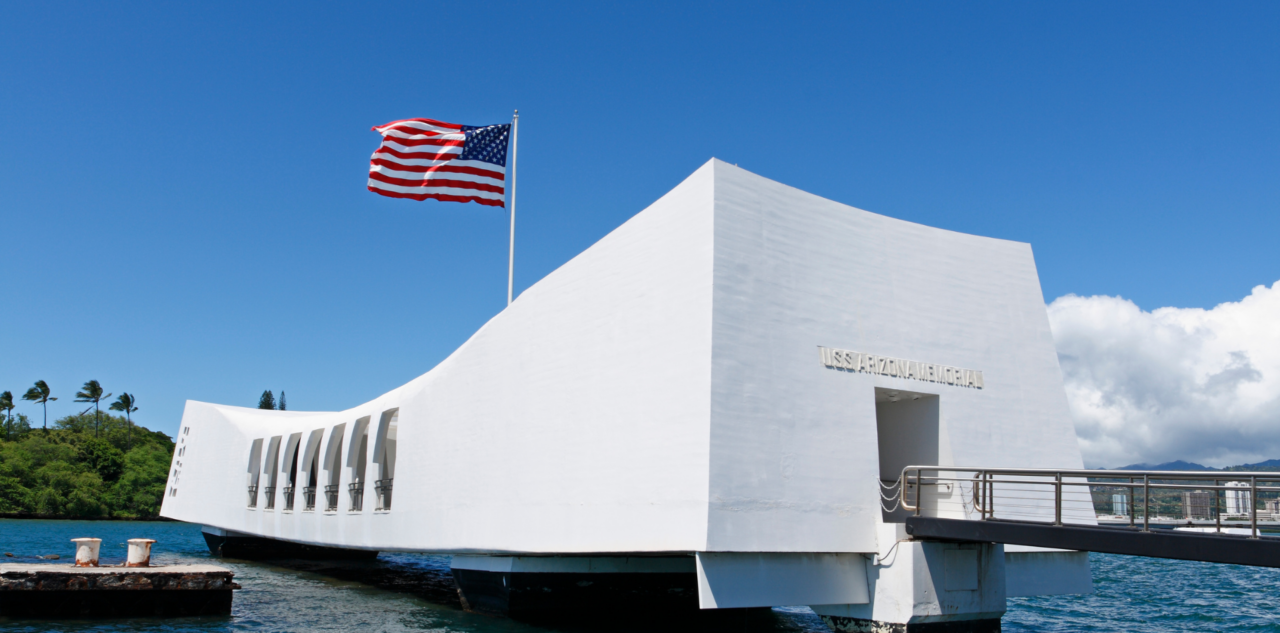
(924, 586)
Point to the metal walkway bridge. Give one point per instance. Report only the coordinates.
(1056, 509)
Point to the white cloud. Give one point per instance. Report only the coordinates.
(1174, 383)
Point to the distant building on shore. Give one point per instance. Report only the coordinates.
(1197, 504)
(1120, 505)
(1239, 502)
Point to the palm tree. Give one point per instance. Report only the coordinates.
(6, 405)
(126, 403)
(40, 393)
(92, 393)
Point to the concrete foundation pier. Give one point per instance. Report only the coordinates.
(928, 587)
(230, 544)
(67, 591)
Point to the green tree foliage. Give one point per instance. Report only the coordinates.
(267, 401)
(92, 392)
(127, 404)
(68, 472)
(282, 405)
(40, 393)
(6, 409)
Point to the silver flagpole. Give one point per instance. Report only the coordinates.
(511, 259)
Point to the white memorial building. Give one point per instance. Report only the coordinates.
(698, 411)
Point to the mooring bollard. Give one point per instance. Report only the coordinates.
(87, 551)
(139, 552)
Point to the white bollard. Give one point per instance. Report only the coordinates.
(139, 552)
(87, 551)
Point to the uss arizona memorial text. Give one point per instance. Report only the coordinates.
(886, 366)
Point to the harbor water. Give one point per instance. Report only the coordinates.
(412, 592)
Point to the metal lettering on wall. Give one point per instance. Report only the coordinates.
(900, 368)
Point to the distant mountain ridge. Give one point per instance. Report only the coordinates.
(1177, 465)
(1267, 466)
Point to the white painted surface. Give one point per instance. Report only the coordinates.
(733, 580)
(662, 392)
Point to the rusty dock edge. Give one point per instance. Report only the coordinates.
(66, 591)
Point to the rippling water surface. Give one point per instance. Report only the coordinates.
(411, 592)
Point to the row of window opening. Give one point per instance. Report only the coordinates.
(296, 464)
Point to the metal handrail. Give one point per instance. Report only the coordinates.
(270, 493)
(288, 498)
(331, 498)
(253, 496)
(356, 489)
(309, 499)
(383, 490)
(985, 480)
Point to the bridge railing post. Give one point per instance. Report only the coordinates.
(919, 491)
(1217, 510)
(982, 495)
(1057, 500)
(1132, 508)
(1146, 503)
(991, 495)
(1253, 507)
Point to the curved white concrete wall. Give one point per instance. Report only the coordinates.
(663, 392)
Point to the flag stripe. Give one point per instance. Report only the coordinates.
(437, 196)
(433, 182)
(419, 141)
(412, 149)
(420, 124)
(436, 173)
(454, 191)
(461, 136)
(443, 166)
(409, 157)
(479, 168)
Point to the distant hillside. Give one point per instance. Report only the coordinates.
(1271, 465)
(1178, 465)
(83, 467)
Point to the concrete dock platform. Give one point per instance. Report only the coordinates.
(67, 591)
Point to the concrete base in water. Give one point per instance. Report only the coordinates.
(533, 587)
(229, 544)
(926, 587)
(857, 625)
(67, 591)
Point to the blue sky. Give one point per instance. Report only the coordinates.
(182, 186)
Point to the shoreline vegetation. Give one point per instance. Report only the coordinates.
(86, 466)
(25, 516)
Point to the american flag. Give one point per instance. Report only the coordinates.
(424, 158)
